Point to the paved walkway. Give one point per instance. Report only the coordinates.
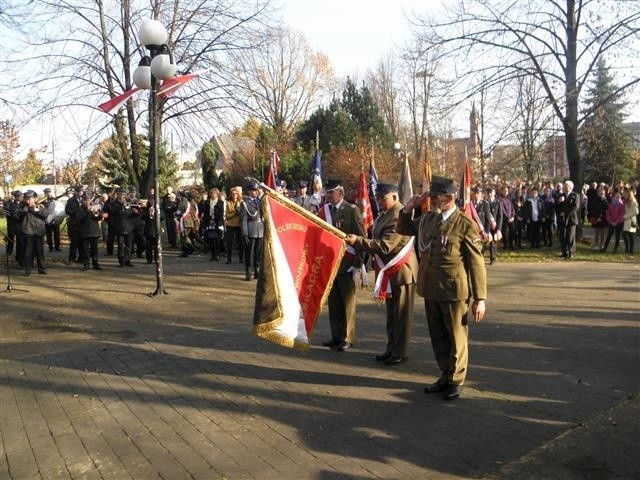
(99, 381)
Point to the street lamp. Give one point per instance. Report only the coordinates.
(158, 65)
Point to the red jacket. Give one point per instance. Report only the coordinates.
(615, 213)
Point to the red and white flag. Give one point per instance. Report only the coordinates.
(114, 104)
(363, 202)
(272, 174)
(170, 85)
(300, 261)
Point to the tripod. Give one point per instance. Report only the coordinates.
(10, 287)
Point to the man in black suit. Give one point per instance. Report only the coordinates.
(568, 216)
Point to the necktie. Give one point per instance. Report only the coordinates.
(333, 210)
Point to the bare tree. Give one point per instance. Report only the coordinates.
(557, 43)
(383, 82)
(81, 53)
(531, 125)
(282, 80)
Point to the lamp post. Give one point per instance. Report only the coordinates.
(158, 65)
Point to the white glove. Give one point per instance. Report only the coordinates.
(355, 273)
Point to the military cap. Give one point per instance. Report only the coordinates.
(332, 185)
(121, 190)
(253, 186)
(440, 185)
(383, 188)
(47, 190)
(16, 193)
(78, 188)
(29, 194)
(302, 184)
(132, 189)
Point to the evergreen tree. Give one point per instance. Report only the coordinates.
(113, 170)
(32, 170)
(605, 144)
(208, 158)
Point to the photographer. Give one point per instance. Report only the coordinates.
(33, 228)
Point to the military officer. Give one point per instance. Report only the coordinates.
(252, 230)
(344, 216)
(452, 271)
(398, 268)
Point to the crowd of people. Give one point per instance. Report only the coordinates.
(436, 252)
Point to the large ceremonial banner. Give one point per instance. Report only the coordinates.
(300, 261)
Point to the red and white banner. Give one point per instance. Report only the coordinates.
(382, 288)
(364, 202)
(300, 261)
(114, 104)
(170, 85)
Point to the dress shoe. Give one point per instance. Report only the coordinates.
(255, 274)
(97, 267)
(331, 343)
(50, 249)
(453, 392)
(58, 249)
(42, 272)
(247, 277)
(342, 346)
(440, 386)
(383, 357)
(391, 361)
(129, 264)
(228, 261)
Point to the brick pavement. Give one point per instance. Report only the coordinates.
(119, 385)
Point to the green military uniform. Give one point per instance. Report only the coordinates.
(386, 243)
(451, 272)
(342, 297)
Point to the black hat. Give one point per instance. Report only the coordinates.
(332, 185)
(47, 190)
(253, 186)
(132, 189)
(29, 194)
(78, 188)
(121, 190)
(302, 184)
(16, 193)
(383, 188)
(441, 185)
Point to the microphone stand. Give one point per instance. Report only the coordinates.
(10, 287)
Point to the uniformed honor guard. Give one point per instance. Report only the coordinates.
(346, 217)
(451, 271)
(252, 230)
(396, 268)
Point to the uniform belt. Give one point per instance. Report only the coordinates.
(254, 219)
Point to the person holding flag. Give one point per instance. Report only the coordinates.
(396, 268)
(347, 218)
(451, 271)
